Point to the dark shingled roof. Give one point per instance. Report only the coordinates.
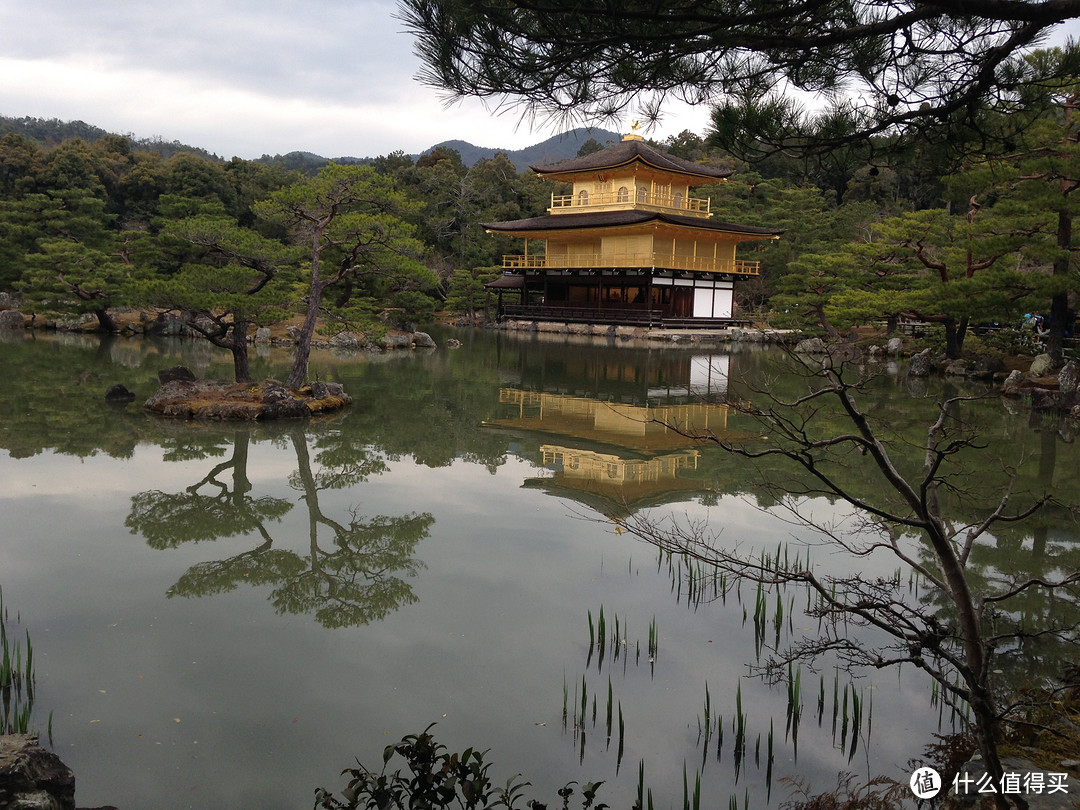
(506, 282)
(614, 219)
(627, 151)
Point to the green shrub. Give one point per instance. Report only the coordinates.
(434, 778)
(1012, 342)
(411, 307)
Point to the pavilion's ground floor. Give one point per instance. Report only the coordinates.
(632, 297)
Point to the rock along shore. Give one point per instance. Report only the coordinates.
(182, 396)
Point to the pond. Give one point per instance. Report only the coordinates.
(229, 615)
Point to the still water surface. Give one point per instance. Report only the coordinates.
(226, 616)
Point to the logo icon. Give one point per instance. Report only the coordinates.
(925, 783)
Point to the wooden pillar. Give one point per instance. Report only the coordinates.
(649, 295)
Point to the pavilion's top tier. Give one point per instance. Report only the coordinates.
(630, 175)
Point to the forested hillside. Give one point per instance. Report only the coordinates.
(91, 221)
(52, 131)
(87, 227)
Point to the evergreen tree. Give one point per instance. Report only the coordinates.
(1041, 172)
(78, 263)
(350, 221)
(466, 293)
(239, 280)
(948, 269)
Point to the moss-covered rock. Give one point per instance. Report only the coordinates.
(30, 776)
(221, 400)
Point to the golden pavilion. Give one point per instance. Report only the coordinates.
(629, 244)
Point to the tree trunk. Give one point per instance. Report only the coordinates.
(955, 332)
(310, 497)
(239, 349)
(106, 322)
(830, 330)
(303, 346)
(986, 731)
(1059, 304)
(969, 620)
(976, 671)
(241, 483)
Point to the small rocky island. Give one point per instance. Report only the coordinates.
(183, 396)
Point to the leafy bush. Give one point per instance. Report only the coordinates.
(434, 778)
(992, 342)
(411, 307)
(932, 338)
(1012, 342)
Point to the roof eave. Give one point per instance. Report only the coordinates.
(568, 173)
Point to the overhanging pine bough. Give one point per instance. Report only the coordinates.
(885, 67)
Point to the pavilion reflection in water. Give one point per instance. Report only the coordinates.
(617, 457)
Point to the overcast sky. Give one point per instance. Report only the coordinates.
(243, 77)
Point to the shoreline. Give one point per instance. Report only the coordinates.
(1015, 377)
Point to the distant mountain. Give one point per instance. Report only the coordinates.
(554, 149)
(558, 147)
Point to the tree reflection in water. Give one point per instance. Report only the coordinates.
(358, 572)
(1040, 622)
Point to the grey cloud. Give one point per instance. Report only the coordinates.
(325, 50)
